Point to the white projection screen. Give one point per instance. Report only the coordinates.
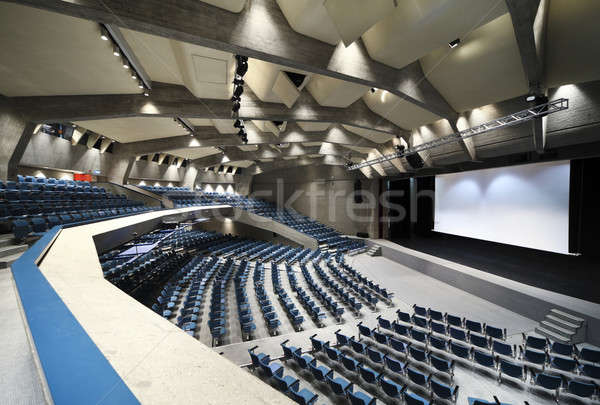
(524, 205)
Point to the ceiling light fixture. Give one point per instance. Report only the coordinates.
(454, 44)
(530, 98)
(373, 89)
(140, 85)
(116, 51)
(146, 93)
(103, 34)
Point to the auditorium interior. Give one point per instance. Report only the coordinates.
(319, 202)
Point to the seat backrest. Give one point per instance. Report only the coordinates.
(581, 388)
(473, 326)
(590, 355)
(441, 390)
(483, 359)
(536, 342)
(547, 381)
(502, 348)
(513, 370)
(413, 399)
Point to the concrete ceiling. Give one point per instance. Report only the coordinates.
(374, 136)
(270, 84)
(416, 28)
(310, 17)
(485, 68)
(44, 53)
(235, 6)
(310, 126)
(573, 42)
(194, 153)
(134, 129)
(392, 108)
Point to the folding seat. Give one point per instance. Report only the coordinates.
(479, 401)
(496, 333)
(357, 346)
(513, 370)
(534, 356)
(77, 217)
(504, 349)
(417, 354)
(444, 391)
(419, 321)
(438, 343)
(302, 360)
(367, 374)
(474, 326)
(317, 344)
(438, 327)
(535, 342)
(443, 365)
(549, 382)
(288, 351)
(588, 354)
(397, 345)
(590, 370)
(394, 365)
(563, 363)
(460, 350)
(360, 398)
(582, 389)
(413, 399)
(403, 316)
(21, 229)
(53, 221)
(384, 323)
(333, 353)
(11, 185)
(421, 311)
(392, 389)
(365, 331)
(419, 336)
(319, 372)
(435, 315)
(478, 340)
(284, 383)
(39, 225)
(350, 363)
(304, 396)
(454, 320)
(259, 358)
(21, 178)
(484, 359)
(338, 385)
(401, 329)
(417, 377)
(380, 337)
(12, 195)
(458, 334)
(375, 355)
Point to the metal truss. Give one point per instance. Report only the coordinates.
(510, 120)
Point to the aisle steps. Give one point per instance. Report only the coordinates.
(562, 327)
(374, 251)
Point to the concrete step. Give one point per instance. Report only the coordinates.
(7, 261)
(7, 240)
(551, 335)
(557, 329)
(567, 317)
(12, 249)
(562, 323)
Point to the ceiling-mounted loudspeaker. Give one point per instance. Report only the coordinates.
(415, 160)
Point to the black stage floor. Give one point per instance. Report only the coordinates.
(576, 276)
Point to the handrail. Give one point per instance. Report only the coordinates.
(75, 369)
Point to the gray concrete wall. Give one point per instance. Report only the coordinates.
(228, 226)
(323, 193)
(133, 193)
(15, 131)
(46, 151)
(145, 170)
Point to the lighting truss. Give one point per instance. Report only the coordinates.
(510, 120)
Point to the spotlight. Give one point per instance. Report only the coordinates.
(238, 91)
(125, 65)
(116, 51)
(103, 34)
(235, 99)
(140, 85)
(530, 98)
(373, 89)
(348, 164)
(241, 58)
(238, 124)
(241, 132)
(241, 69)
(146, 93)
(133, 75)
(454, 44)
(236, 107)
(238, 82)
(400, 148)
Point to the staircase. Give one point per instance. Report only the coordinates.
(374, 251)
(562, 327)
(9, 252)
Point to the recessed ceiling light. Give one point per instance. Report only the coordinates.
(146, 94)
(530, 98)
(454, 44)
(140, 85)
(116, 51)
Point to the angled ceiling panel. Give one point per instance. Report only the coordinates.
(331, 92)
(134, 129)
(374, 136)
(310, 17)
(402, 113)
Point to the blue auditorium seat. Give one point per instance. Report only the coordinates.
(288, 351)
(438, 343)
(438, 327)
(444, 391)
(535, 356)
(360, 398)
(443, 365)
(513, 370)
(494, 332)
(397, 345)
(394, 365)
(549, 382)
(590, 370)
(478, 340)
(350, 363)
(504, 349)
(413, 399)
(403, 316)
(304, 396)
(563, 363)
(473, 326)
(417, 377)
(582, 389)
(338, 385)
(460, 350)
(384, 323)
(417, 354)
(21, 229)
(319, 372)
(285, 383)
(391, 388)
(454, 320)
(588, 354)
(535, 342)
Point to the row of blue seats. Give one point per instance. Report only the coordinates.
(374, 287)
(307, 302)
(322, 295)
(38, 225)
(266, 306)
(500, 359)
(11, 186)
(245, 317)
(370, 298)
(290, 308)
(50, 180)
(346, 297)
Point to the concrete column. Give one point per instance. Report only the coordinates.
(15, 133)
(189, 177)
(119, 169)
